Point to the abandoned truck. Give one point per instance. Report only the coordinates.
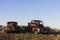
(12, 27)
(35, 26)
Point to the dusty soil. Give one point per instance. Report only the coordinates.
(28, 36)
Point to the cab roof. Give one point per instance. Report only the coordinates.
(11, 22)
(37, 20)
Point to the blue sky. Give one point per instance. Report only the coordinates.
(23, 11)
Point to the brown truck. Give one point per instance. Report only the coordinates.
(37, 26)
(12, 27)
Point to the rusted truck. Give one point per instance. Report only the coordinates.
(37, 26)
(12, 27)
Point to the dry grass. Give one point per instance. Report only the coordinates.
(28, 36)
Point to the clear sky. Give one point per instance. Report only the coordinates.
(23, 11)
